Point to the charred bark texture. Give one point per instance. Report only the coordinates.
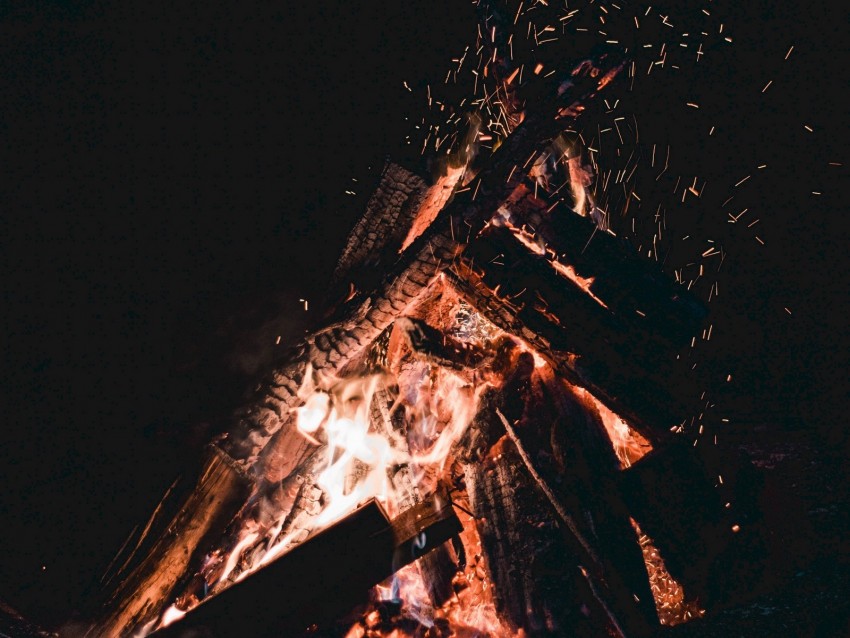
(533, 570)
(376, 239)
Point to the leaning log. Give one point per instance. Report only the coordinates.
(541, 485)
(220, 491)
(628, 367)
(324, 577)
(634, 289)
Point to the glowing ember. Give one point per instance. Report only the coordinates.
(670, 601)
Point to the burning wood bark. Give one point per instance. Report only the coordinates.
(220, 492)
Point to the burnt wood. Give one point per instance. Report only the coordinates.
(220, 490)
(377, 237)
(264, 428)
(323, 577)
(634, 289)
(540, 485)
(331, 348)
(631, 368)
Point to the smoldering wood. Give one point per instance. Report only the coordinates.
(439, 348)
(563, 444)
(524, 507)
(376, 239)
(323, 577)
(532, 568)
(583, 472)
(636, 393)
(220, 490)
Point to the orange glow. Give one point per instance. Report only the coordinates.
(629, 445)
(670, 602)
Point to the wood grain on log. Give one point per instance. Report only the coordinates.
(220, 491)
(553, 470)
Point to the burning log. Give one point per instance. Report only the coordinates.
(323, 577)
(377, 237)
(628, 367)
(333, 348)
(220, 491)
(633, 289)
(438, 566)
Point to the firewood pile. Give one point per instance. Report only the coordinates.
(487, 418)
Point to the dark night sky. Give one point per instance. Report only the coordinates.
(174, 177)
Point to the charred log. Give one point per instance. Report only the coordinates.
(533, 570)
(632, 370)
(651, 399)
(710, 538)
(633, 289)
(304, 587)
(376, 239)
(220, 491)
(553, 458)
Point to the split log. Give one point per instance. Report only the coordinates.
(533, 571)
(220, 491)
(323, 577)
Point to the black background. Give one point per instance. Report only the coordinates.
(172, 182)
